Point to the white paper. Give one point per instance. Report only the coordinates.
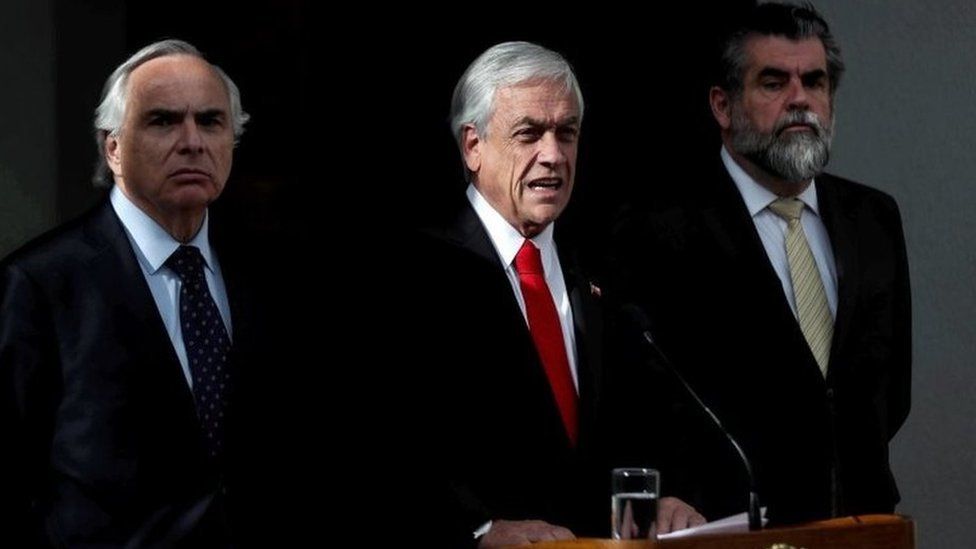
(735, 523)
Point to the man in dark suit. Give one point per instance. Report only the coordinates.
(122, 333)
(510, 331)
(781, 292)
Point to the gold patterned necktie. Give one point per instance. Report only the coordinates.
(812, 310)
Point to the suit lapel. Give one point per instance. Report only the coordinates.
(114, 264)
(588, 328)
(238, 289)
(468, 232)
(734, 231)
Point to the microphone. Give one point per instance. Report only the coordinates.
(635, 313)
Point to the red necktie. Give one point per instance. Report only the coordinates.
(547, 334)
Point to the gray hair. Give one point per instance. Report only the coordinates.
(792, 21)
(111, 110)
(503, 65)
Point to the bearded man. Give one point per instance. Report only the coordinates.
(779, 291)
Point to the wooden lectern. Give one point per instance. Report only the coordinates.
(860, 532)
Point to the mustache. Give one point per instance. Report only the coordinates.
(800, 118)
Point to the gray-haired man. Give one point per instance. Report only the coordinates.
(510, 326)
(122, 333)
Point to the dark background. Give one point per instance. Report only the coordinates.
(366, 149)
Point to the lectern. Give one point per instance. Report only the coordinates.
(858, 532)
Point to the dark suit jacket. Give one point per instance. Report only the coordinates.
(103, 447)
(694, 261)
(496, 444)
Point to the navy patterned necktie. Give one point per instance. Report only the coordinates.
(207, 345)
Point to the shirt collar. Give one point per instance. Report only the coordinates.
(152, 241)
(506, 239)
(757, 197)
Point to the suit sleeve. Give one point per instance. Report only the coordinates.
(27, 352)
(423, 409)
(898, 389)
